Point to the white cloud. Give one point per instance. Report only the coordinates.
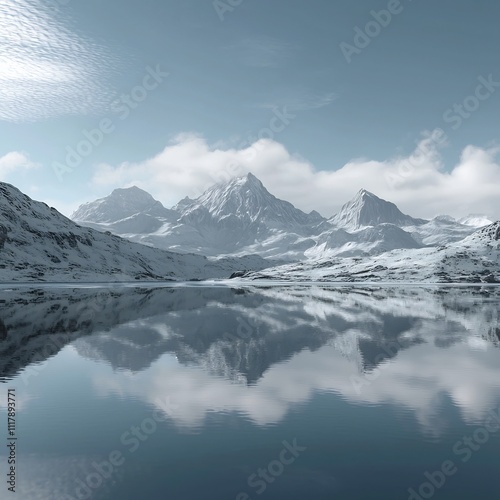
(14, 162)
(286, 385)
(417, 183)
(45, 69)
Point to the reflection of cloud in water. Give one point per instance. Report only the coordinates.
(419, 379)
(444, 353)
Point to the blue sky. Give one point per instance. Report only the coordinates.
(238, 70)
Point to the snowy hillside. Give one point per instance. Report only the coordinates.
(440, 230)
(476, 259)
(367, 241)
(37, 243)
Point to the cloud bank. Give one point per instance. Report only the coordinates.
(417, 183)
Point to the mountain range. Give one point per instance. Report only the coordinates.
(241, 217)
(238, 229)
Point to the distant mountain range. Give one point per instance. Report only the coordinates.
(241, 217)
(238, 229)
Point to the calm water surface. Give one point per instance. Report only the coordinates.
(259, 392)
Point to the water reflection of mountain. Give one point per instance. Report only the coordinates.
(236, 333)
(37, 323)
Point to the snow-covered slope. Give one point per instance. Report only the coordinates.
(440, 230)
(367, 241)
(366, 209)
(475, 220)
(476, 259)
(37, 243)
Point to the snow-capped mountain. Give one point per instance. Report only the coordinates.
(242, 217)
(236, 218)
(120, 204)
(242, 213)
(37, 243)
(247, 200)
(369, 225)
(125, 211)
(475, 259)
(366, 209)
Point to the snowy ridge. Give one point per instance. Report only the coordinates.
(367, 241)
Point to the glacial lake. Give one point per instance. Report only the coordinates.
(269, 392)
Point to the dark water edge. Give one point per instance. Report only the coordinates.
(239, 283)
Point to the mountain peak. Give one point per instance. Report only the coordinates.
(244, 201)
(363, 193)
(246, 180)
(132, 192)
(367, 209)
(120, 204)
